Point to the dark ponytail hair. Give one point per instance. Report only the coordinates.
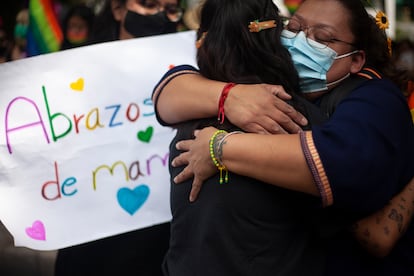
(230, 53)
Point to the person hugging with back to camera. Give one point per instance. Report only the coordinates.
(249, 227)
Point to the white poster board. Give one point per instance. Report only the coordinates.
(82, 155)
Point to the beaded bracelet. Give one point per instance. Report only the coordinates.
(216, 162)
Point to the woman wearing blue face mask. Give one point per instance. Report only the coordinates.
(354, 163)
(312, 56)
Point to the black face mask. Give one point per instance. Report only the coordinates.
(145, 25)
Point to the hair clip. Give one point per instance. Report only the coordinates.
(381, 20)
(383, 23)
(200, 41)
(257, 26)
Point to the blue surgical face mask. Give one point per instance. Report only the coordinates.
(311, 61)
(140, 25)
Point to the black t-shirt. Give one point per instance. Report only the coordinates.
(243, 227)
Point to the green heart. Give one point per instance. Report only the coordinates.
(145, 136)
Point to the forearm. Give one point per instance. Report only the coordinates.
(274, 159)
(379, 232)
(180, 101)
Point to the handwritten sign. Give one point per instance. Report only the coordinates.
(82, 155)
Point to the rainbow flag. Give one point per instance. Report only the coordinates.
(44, 32)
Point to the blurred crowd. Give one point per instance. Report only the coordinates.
(101, 21)
(89, 22)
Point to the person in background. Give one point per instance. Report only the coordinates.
(191, 16)
(20, 32)
(141, 251)
(152, 17)
(107, 25)
(76, 27)
(403, 55)
(125, 19)
(5, 45)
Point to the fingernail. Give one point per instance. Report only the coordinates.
(304, 121)
(177, 146)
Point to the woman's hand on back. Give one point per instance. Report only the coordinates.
(196, 159)
(262, 108)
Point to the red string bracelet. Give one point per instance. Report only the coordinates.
(223, 97)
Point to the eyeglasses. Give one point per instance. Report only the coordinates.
(314, 33)
(173, 11)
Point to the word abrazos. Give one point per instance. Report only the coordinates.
(91, 120)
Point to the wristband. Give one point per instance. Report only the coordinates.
(223, 97)
(216, 162)
(221, 142)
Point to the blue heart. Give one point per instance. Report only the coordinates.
(132, 200)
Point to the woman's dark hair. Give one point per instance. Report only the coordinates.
(370, 38)
(231, 53)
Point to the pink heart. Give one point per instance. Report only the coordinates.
(37, 231)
